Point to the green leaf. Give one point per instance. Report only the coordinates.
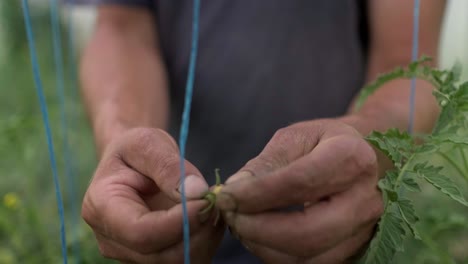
(456, 71)
(392, 195)
(432, 175)
(411, 185)
(396, 145)
(445, 118)
(409, 216)
(387, 241)
(381, 80)
(407, 210)
(450, 138)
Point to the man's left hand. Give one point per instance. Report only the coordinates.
(324, 166)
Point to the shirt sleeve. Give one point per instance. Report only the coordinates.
(139, 3)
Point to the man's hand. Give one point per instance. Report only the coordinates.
(133, 202)
(325, 166)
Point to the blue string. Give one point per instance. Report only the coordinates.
(45, 117)
(414, 57)
(185, 124)
(58, 59)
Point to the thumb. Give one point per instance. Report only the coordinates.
(287, 145)
(154, 154)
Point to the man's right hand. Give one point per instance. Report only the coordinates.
(133, 203)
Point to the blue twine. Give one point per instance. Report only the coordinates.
(58, 59)
(45, 118)
(414, 57)
(185, 125)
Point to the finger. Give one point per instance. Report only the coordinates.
(289, 144)
(203, 244)
(154, 153)
(317, 229)
(113, 250)
(349, 250)
(337, 255)
(330, 168)
(124, 217)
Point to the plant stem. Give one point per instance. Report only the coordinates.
(452, 162)
(403, 170)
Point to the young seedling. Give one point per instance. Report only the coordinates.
(210, 196)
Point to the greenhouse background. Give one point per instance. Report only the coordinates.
(29, 224)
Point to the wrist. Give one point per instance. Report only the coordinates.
(364, 124)
(106, 128)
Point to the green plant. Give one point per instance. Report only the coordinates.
(410, 159)
(210, 196)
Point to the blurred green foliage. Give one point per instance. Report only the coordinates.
(29, 223)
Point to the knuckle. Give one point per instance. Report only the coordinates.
(282, 133)
(143, 137)
(166, 164)
(267, 162)
(363, 158)
(146, 138)
(289, 135)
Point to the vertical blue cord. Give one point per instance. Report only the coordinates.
(414, 57)
(58, 59)
(185, 124)
(45, 117)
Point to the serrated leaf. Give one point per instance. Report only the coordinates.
(426, 148)
(392, 195)
(372, 87)
(387, 241)
(456, 71)
(411, 185)
(444, 184)
(419, 166)
(409, 216)
(446, 116)
(396, 145)
(451, 138)
(407, 210)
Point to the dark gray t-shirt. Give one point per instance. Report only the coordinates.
(262, 65)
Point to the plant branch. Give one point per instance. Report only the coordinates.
(403, 170)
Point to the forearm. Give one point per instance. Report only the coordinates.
(391, 40)
(389, 107)
(123, 81)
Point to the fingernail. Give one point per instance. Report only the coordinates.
(225, 202)
(239, 176)
(195, 187)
